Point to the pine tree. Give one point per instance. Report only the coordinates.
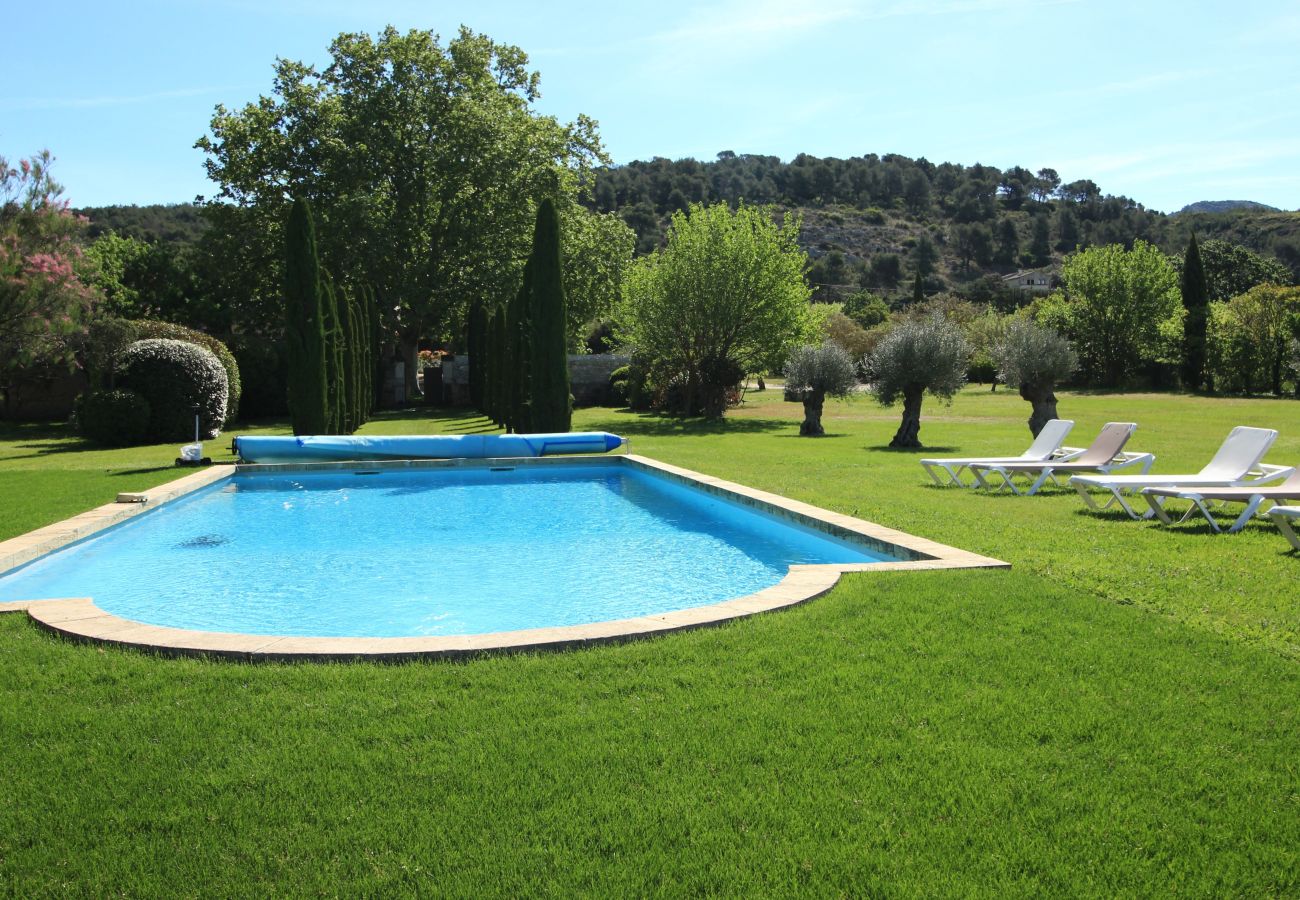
(304, 325)
(1196, 300)
(550, 410)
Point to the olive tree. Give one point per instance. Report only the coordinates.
(917, 356)
(1035, 358)
(817, 372)
(717, 302)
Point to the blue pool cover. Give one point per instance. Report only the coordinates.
(318, 448)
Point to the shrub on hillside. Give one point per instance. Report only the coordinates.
(113, 418)
(178, 379)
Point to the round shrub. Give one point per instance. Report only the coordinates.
(113, 418)
(178, 379)
(149, 328)
(109, 337)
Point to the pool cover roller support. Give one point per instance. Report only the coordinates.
(335, 448)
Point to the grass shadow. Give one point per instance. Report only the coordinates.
(917, 451)
(651, 425)
(148, 471)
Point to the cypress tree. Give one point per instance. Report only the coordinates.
(918, 288)
(548, 388)
(498, 359)
(376, 347)
(304, 324)
(1196, 300)
(518, 358)
(348, 319)
(488, 364)
(476, 339)
(336, 411)
(1041, 246)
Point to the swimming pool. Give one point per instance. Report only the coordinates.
(437, 550)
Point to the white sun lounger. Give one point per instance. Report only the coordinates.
(1105, 454)
(1254, 495)
(1283, 515)
(1046, 446)
(1231, 466)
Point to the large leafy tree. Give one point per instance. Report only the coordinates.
(423, 162)
(1231, 269)
(1120, 308)
(718, 300)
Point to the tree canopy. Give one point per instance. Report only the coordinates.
(423, 162)
(719, 299)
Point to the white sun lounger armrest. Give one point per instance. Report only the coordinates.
(1283, 516)
(1265, 473)
(1127, 460)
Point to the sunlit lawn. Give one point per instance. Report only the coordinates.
(1119, 713)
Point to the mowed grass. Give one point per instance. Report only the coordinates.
(1118, 714)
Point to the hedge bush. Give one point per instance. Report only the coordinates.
(109, 337)
(113, 418)
(178, 379)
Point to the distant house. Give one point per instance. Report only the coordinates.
(1032, 281)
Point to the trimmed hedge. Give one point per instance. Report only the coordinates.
(178, 379)
(113, 418)
(110, 337)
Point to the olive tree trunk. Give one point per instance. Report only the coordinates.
(908, 434)
(813, 401)
(1044, 405)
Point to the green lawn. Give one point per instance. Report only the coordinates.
(1118, 714)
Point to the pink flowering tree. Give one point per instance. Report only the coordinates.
(44, 300)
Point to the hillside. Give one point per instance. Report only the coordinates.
(1222, 206)
(978, 222)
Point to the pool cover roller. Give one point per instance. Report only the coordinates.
(340, 448)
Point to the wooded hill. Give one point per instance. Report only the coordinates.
(874, 221)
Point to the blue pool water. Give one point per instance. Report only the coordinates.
(432, 552)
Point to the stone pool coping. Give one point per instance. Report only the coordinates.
(81, 620)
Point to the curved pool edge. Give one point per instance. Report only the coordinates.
(79, 619)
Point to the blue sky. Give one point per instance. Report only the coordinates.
(1166, 102)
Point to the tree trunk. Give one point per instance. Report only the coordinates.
(1044, 405)
(908, 434)
(409, 347)
(813, 401)
(762, 385)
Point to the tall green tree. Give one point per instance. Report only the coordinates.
(1040, 245)
(335, 382)
(548, 322)
(519, 357)
(476, 347)
(1008, 249)
(717, 302)
(1120, 308)
(422, 156)
(304, 324)
(1196, 301)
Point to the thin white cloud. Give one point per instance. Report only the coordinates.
(102, 101)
